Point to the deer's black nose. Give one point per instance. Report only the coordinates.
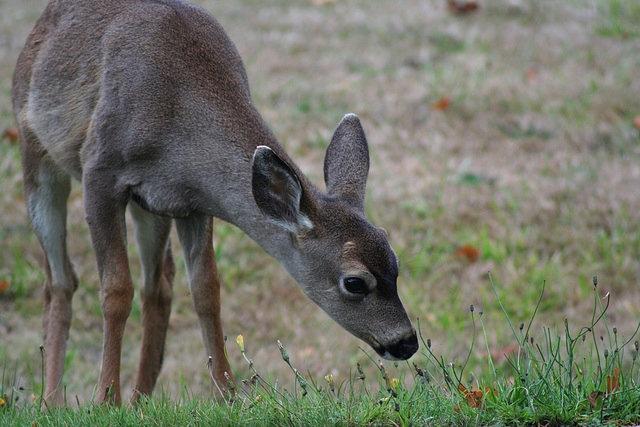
(405, 348)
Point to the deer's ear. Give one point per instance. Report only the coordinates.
(346, 163)
(277, 191)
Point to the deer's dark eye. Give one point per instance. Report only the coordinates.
(355, 285)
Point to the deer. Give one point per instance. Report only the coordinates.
(147, 104)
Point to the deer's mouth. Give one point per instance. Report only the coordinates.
(400, 350)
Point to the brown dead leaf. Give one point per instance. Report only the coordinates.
(462, 7)
(531, 75)
(475, 398)
(3, 285)
(442, 104)
(467, 252)
(612, 383)
(636, 122)
(593, 398)
(11, 134)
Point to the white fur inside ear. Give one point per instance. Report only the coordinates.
(304, 224)
(261, 147)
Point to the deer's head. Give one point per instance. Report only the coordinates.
(341, 261)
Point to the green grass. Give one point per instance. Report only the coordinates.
(551, 377)
(620, 19)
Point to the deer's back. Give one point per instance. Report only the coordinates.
(146, 77)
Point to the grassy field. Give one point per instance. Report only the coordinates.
(560, 380)
(502, 140)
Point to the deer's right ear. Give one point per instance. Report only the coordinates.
(277, 191)
(346, 164)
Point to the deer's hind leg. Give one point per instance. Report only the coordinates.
(46, 190)
(152, 235)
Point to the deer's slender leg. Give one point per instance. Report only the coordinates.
(46, 190)
(195, 233)
(105, 208)
(152, 235)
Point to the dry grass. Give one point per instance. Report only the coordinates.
(536, 163)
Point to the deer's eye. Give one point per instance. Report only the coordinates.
(355, 285)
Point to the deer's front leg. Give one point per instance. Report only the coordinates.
(152, 235)
(195, 233)
(105, 208)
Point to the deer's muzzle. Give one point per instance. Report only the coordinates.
(401, 350)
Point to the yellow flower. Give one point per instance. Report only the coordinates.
(240, 341)
(394, 382)
(2, 402)
(329, 379)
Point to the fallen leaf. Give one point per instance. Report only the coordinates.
(442, 104)
(3, 285)
(531, 75)
(612, 383)
(462, 7)
(636, 122)
(593, 398)
(11, 134)
(467, 252)
(475, 398)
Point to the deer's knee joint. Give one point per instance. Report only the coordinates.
(117, 301)
(157, 293)
(65, 287)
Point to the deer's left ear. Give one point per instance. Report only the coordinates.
(278, 191)
(346, 163)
